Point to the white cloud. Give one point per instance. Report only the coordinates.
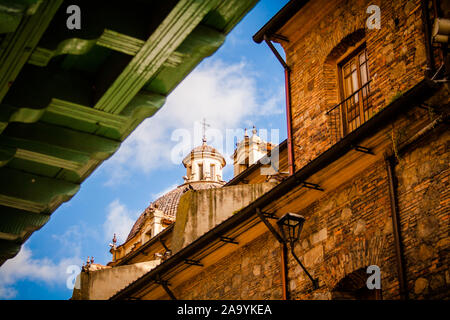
(226, 95)
(119, 221)
(25, 267)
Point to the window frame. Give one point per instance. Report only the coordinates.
(352, 53)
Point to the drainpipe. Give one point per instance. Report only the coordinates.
(284, 271)
(427, 32)
(390, 168)
(287, 86)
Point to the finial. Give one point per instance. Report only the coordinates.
(245, 133)
(204, 125)
(92, 260)
(114, 242)
(254, 131)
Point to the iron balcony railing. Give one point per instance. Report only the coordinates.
(351, 113)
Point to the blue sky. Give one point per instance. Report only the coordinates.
(241, 85)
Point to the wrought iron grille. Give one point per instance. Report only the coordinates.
(351, 113)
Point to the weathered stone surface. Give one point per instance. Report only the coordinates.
(360, 227)
(437, 282)
(427, 227)
(313, 256)
(319, 236)
(420, 285)
(201, 210)
(104, 283)
(425, 252)
(256, 270)
(346, 214)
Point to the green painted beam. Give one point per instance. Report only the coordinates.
(75, 46)
(15, 223)
(13, 11)
(33, 193)
(186, 15)
(47, 137)
(8, 249)
(202, 42)
(18, 49)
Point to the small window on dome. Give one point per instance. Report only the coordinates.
(213, 172)
(200, 171)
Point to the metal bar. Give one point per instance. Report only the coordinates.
(269, 215)
(396, 229)
(228, 240)
(364, 150)
(310, 185)
(279, 37)
(193, 262)
(350, 96)
(284, 271)
(275, 52)
(164, 245)
(168, 291)
(314, 281)
(269, 226)
(165, 285)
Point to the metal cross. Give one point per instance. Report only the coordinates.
(204, 125)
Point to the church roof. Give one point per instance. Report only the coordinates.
(201, 150)
(168, 203)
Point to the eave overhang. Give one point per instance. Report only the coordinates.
(69, 98)
(279, 19)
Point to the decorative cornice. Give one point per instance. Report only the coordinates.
(180, 22)
(17, 51)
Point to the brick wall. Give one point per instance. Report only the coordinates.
(396, 55)
(424, 198)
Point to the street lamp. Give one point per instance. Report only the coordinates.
(291, 225)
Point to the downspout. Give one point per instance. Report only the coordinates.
(291, 162)
(427, 32)
(390, 168)
(287, 86)
(284, 271)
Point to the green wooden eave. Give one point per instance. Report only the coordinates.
(68, 98)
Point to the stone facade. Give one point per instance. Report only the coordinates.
(251, 272)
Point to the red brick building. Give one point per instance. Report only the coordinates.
(368, 156)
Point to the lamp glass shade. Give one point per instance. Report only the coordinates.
(291, 225)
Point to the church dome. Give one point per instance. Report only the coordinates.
(203, 151)
(168, 203)
(204, 171)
